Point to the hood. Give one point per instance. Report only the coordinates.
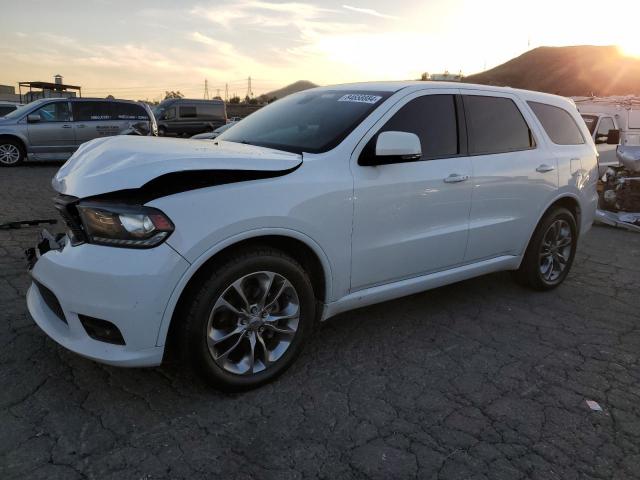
(127, 162)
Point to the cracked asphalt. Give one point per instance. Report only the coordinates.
(481, 379)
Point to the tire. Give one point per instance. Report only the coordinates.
(551, 250)
(12, 153)
(162, 132)
(221, 330)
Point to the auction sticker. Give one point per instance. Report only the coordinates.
(359, 98)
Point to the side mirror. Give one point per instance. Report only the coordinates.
(613, 137)
(33, 118)
(394, 147)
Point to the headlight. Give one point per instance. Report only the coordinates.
(124, 225)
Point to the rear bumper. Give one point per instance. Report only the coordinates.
(129, 288)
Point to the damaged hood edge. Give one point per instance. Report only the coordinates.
(129, 162)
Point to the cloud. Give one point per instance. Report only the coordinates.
(369, 11)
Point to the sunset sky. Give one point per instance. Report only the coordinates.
(140, 49)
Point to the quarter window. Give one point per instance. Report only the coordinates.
(558, 123)
(54, 112)
(434, 120)
(495, 125)
(88, 111)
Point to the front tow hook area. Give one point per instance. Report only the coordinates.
(46, 242)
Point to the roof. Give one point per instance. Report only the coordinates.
(415, 85)
(49, 85)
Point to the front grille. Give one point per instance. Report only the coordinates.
(51, 301)
(66, 206)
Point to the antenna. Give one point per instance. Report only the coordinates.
(206, 89)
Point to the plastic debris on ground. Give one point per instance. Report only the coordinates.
(595, 406)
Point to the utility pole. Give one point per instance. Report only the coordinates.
(226, 92)
(206, 89)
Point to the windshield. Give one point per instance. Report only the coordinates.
(23, 109)
(591, 121)
(313, 121)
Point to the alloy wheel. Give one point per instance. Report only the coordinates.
(555, 250)
(253, 323)
(9, 154)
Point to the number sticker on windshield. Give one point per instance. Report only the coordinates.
(359, 98)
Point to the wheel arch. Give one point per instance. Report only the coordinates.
(302, 248)
(570, 202)
(12, 136)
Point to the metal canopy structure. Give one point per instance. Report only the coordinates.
(54, 87)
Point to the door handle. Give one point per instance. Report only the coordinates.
(455, 178)
(544, 168)
(66, 126)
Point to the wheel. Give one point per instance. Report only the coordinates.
(249, 320)
(551, 251)
(162, 132)
(11, 153)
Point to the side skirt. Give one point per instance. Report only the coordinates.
(402, 288)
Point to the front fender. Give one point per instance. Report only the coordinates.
(228, 242)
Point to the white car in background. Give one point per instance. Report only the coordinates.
(324, 201)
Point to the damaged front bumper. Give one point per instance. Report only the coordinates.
(46, 242)
(619, 191)
(77, 290)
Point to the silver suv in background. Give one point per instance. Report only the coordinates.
(53, 128)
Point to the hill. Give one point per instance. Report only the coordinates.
(289, 89)
(570, 71)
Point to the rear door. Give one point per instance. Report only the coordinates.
(52, 137)
(94, 119)
(513, 175)
(411, 218)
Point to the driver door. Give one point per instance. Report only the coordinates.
(412, 217)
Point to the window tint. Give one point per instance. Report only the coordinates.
(606, 124)
(495, 125)
(210, 110)
(558, 123)
(187, 112)
(433, 119)
(169, 114)
(87, 111)
(54, 112)
(130, 111)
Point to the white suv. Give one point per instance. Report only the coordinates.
(324, 201)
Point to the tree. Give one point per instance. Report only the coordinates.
(424, 77)
(173, 94)
(235, 99)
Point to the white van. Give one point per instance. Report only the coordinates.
(611, 113)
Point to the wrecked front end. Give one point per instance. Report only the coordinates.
(619, 191)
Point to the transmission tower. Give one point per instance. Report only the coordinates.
(206, 89)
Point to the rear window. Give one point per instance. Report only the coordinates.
(130, 111)
(495, 125)
(558, 123)
(86, 111)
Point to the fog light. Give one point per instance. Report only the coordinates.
(101, 330)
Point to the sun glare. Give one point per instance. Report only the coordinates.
(630, 47)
